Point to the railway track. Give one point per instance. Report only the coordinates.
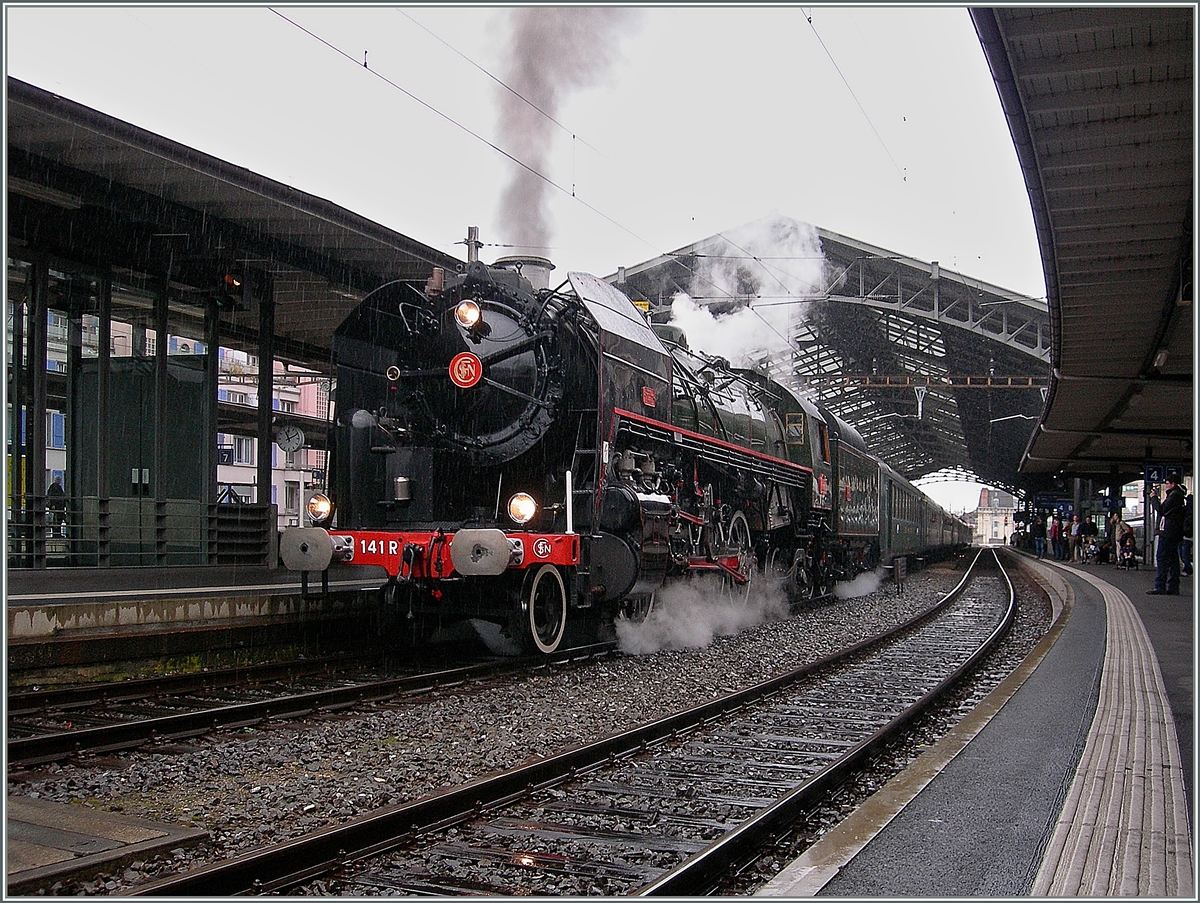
(51, 725)
(667, 808)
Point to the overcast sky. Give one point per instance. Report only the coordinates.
(665, 125)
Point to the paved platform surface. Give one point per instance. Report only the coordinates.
(45, 840)
(57, 586)
(1073, 779)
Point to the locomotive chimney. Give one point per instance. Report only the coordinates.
(535, 269)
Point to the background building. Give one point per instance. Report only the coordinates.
(994, 517)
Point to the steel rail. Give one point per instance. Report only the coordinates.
(700, 873)
(35, 701)
(292, 862)
(104, 738)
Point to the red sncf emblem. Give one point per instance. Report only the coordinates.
(465, 370)
(647, 396)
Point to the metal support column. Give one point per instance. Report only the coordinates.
(103, 369)
(16, 401)
(35, 415)
(158, 483)
(212, 344)
(266, 387)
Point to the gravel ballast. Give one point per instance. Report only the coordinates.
(280, 780)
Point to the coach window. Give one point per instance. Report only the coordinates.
(823, 432)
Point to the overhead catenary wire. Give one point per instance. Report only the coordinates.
(846, 82)
(571, 192)
(431, 108)
(511, 90)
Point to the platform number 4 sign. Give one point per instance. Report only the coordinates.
(1156, 473)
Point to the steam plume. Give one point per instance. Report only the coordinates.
(552, 52)
(862, 585)
(777, 261)
(689, 615)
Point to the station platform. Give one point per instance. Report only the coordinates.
(88, 618)
(65, 586)
(1073, 778)
(45, 841)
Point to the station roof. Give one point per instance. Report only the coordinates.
(1100, 103)
(941, 374)
(98, 191)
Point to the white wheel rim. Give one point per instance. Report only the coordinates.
(559, 604)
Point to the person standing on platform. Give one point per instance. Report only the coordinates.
(1056, 531)
(1122, 534)
(1088, 531)
(1170, 513)
(1185, 544)
(56, 503)
(1038, 530)
(1073, 537)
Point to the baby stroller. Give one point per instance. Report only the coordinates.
(1127, 557)
(1091, 551)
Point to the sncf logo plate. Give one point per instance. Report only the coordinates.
(465, 370)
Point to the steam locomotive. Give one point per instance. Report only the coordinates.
(546, 460)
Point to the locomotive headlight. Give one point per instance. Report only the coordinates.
(467, 313)
(522, 507)
(320, 509)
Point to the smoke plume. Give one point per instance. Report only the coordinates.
(552, 52)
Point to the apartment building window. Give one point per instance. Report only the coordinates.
(56, 431)
(291, 499)
(243, 450)
(56, 325)
(91, 336)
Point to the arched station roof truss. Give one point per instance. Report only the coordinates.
(939, 372)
